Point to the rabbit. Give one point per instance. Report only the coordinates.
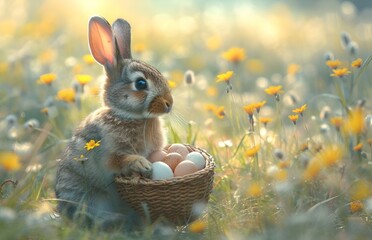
(125, 130)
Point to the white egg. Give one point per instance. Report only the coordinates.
(196, 158)
(161, 171)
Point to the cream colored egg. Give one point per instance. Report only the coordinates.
(157, 156)
(161, 171)
(196, 158)
(179, 148)
(185, 167)
(173, 159)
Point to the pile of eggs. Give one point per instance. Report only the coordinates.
(176, 161)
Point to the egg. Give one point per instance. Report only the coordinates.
(157, 156)
(161, 171)
(196, 158)
(173, 159)
(179, 148)
(185, 167)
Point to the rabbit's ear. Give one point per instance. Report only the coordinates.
(121, 31)
(101, 43)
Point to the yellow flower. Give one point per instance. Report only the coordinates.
(220, 112)
(66, 95)
(94, 90)
(333, 63)
(280, 175)
(356, 206)
(354, 123)
(172, 84)
(274, 90)
(284, 164)
(83, 79)
(360, 190)
(198, 226)
(323, 159)
(254, 189)
(265, 120)
(9, 161)
(259, 105)
(210, 107)
(293, 69)
(234, 55)
(300, 110)
(357, 63)
(252, 151)
(249, 109)
(358, 147)
(293, 118)
(337, 122)
(92, 144)
(225, 77)
(340, 72)
(139, 47)
(255, 66)
(47, 78)
(88, 59)
(211, 91)
(330, 155)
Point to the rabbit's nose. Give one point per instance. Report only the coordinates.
(168, 106)
(168, 102)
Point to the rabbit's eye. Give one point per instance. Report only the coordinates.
(141, 84)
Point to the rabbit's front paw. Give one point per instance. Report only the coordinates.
(138, 166)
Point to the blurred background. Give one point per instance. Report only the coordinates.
(49, 83)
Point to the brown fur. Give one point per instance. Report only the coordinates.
(128, 128)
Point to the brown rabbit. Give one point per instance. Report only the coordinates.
(127, 129)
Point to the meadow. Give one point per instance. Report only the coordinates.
(278, 92)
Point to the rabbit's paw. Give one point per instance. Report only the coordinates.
(138, 166)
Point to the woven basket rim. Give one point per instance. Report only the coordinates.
(209, 166)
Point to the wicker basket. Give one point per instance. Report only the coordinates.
(173, 198)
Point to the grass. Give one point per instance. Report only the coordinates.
(280, 179)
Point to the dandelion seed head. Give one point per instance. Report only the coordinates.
(33, 168)
(22, 149)
(11, 120)
(348, 8)
(70, 61)
(325, 113)
(345, 39)
(329, 56)
(368, 205)
(368, 120)
(49, 102)
(279, 154)
(31, 124)
(7, 214)
(324, 128)
(189, 77)
(353, 48)
(262, 82)
(225, 143)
